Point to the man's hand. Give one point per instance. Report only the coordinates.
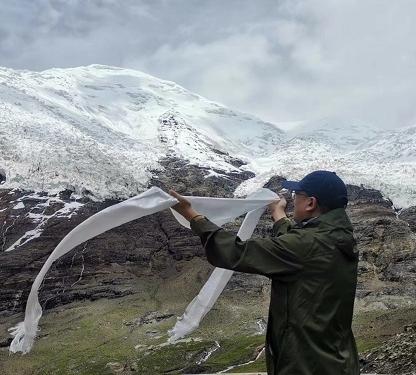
(184, 207)
(277, 208)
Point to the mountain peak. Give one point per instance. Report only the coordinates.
(102, 128)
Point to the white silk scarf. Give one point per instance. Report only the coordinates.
(218, 210)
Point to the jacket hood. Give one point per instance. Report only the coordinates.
(338, 219)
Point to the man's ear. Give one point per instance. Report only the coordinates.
(312, 204)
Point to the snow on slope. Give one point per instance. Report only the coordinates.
(37, 215)
(359, 153)
(102, 129)
(337, 132)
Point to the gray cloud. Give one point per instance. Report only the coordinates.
(282, 60)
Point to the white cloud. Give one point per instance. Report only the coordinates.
(284, 61)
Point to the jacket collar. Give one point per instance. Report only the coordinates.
(310, 221)
(335, 218)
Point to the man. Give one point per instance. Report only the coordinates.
(312, 264)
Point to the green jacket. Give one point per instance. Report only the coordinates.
(313, 269)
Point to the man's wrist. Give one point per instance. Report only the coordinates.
(278, 215)
(190, 215)
(198, 217)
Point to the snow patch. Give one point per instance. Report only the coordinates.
(216, 174)
(18, 206)
(40, 218)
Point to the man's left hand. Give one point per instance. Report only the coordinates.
(184, 207)
(277, 208)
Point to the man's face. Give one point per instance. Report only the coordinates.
(304, 206)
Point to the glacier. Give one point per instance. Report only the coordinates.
(100, 131)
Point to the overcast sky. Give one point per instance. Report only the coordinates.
(282, 60)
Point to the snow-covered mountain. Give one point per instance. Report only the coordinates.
(103, 130)
(337, 132)
(359, 153)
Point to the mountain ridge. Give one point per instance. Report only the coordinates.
(102, 130)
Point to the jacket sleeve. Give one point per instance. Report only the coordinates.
(272, 257)
(282, 226)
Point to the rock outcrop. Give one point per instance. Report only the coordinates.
(396, 356)
(118, 262)
(109, 265)
(409, 215)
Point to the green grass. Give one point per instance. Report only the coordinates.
(183, 357)
(83, 338)
(257, 366)
(373, 328)
(78, 340)
(235, 350)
